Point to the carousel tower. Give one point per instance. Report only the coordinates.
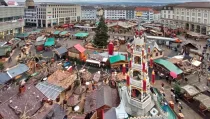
(138, 97)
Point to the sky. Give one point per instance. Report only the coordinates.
(151, 1)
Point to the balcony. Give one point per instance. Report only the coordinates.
(11, 24)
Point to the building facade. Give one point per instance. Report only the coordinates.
(115, 13)
(51, 14)
(144, 14)
(130, 13)
(192, 16)
(167, 15)
(156, 18)
(88, 13)
(11, 21)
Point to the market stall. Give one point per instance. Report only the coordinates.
(189, 92)
(81, 35)
(49, 42)
(204, 102)
(56, 33)
(64, 34)
(167, 68)
(22, 36)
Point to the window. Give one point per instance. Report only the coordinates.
(182, 13)
(193, 19)
(205, 15)
(193, 14)
(205, 21)
(169, 12)
(188, 13)
(169, 16)
(156, 54)
(182, 17)
(199, 20)
(199, 14)
(177, 17)
(161, 52)
(188, 18)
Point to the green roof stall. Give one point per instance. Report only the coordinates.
(63, 33)
(56, 32)
(169, 66)
(81, 35)
(50, 42)
(117, 61)
(22, 35)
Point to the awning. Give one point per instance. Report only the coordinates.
(191, 90)
(203, 99)
(63, 33)
(81, 34)
(50, 42)
(56, 32)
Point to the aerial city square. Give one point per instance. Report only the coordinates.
(93, 59)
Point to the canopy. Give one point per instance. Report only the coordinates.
(50, 42)
(81, 34)
(41, 38)
(191, 90)
(63, 33)
(56, 32)
(196, 63)
(22, 35)
(203, 99)
(170, 66)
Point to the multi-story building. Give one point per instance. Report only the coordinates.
(130, 12)
(50, 14)
(115, 13)
(144, 14)
(167, 15)
(156, 18)
(192, 16)
(11, 20)
(30, 13)
(88, 13)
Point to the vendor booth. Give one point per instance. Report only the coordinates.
(81, 35)
(49, 42)
(56, 33)
(167, 68)
(204, 102)
(64, 34)
(189, 92)
(22, 36)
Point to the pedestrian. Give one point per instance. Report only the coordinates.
(162, 84)
(176, 99)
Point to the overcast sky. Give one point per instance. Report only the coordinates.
(156, 1)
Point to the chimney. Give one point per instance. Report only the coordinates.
(111, 48)
(22, 89)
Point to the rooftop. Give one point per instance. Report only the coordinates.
(194, 5)
(15, 105)
(100, 97)
(61, 78)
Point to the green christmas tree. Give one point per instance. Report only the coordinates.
(101, 35)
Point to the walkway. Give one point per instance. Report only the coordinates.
(187, 111)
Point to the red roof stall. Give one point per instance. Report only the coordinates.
(77, 51)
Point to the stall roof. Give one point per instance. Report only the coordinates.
(79, 48)
(37, 43)
(191, 90)
(50, 42)
(17, 70)
(4, 78)
(81, 34)
(203, 99)
(49, 90)
(56, 32)
(170, 66)
(40, 38)
(63, 33)
(116, 58)
(196, 63)
(22, 35)
(61, 50)
(202, 87)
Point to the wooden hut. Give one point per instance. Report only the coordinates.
(77, 51)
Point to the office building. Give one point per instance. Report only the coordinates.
(11, 20)
(117, 13)
(88, 13)
(51, 14)
(144, 14)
